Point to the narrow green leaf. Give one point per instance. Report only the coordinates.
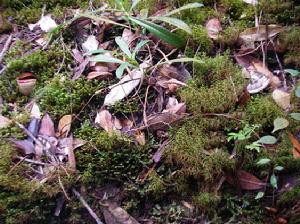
(181, 60)
(105, 58)
(138, 47)
(159, 31)
(175, 22)
(278, 168)
(134, 4)
(263, 161)
(123, 45)
(273, 181)
(99, 51)
(297, 92)
(293, 72)
(120, 69)
(259, 195)
(295, 116)
(185, 7)
(268, 139)
(280, 123)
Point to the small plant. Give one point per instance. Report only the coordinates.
(243, 134)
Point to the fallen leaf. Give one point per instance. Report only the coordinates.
(252, 2)
(4, 122)
(213, 27)
(282, 98)
(26, 82)
(281, 220)
(25, 146)
(140, 137)
(105, 120)
(100, 75)
(296, 146)
(259, 33)
(124, 87)
(47, 126)
(248, 181)
(280, 123)
(268, 140)
(258, 82)
(80, 69)
(64, 126)
(33, 109)
(162, 121)
(46, 23)
(91, 44)
(179, 108)
(295, 116)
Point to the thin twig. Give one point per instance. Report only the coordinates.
(85, 204)
(5, 48)
(33, 161)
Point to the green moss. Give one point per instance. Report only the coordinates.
(262, 110)
(216, 86)
(206, 201)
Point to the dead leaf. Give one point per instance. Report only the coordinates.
(162, 121)
(259, 33)
(282, 98)
(47, 126)
(179, 108)
(77, 55)
(91, 44)
(170, 84)
(128, 36)
(100, 75)
(281, 220)
(105, 120)
(64, 126)
(213, 27)
(33, 109)
(25, 146)
(124, 87)
(70, 152)
(4, 122)
(296, 146)
(140, 137)
(259, 67)
(80, 69)
(258, 82)
(247, 181)
(46, 23)
(26, 83)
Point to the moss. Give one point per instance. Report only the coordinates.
(216, 86)
(262, 110)
(206, 201)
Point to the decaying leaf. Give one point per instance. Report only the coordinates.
(106, 121)
(124, 87)
(46, 23)
(64, 126)
(140, 137)
(259, 33)
(47, 126)
(25, 146)
(91, 44)
(4, 122)
(213, 27)
(296, 146)
(33, 109)
(100, 75)
(162, 121)
(258, 82)
(248, 181)
(282, 98)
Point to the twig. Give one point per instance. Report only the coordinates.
(33, 161)
(85, 204)
(5, 48)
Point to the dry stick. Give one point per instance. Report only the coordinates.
(5, 48)
(33, 161)
(85, 204)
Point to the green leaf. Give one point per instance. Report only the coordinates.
(295, 116)
(181, 60)
(273, 181)
(175, 22)
(99, 51)
(297, 91)
(280, 123)
(185, 7)
(120, 69)
(134, 4)
(259, 195)
(293, 72)
(278, 168)
(263, 161)
(123, 45)
(138, 47)
(105, 58)
(268, 139)
(159, 31)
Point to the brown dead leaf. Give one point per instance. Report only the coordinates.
(25, 146)
(281, 220)
(4, 122)
(247, 181)
(213, 27)
(180, 108)
(296, 146)
(100, 75)
(47, 126)
(259, 67)
(105, 120)
(140, 137)
(282, 98)
(64, 126)
(259, 33)
(162, 121)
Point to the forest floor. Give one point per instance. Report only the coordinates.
(149, 111)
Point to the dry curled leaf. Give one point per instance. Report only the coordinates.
(100, 75)
(47, 126)
(64, 126)
(213, 27)
(296, 146)
(162, 121)
(91, 44)
(25, 146)
(282, 98)
(247, 181)
(105, 120)
(46, 23)
(259, 33)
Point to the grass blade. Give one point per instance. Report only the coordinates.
(138, 47)
(120, 69)
(123, 45)
(185, 7)
(105, 58)
(159, 31)
(175, 22)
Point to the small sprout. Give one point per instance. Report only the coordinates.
(278, 168)
(295, 116)
(263, 161)
(259, 195)
(273, 181)
(297, 92)
(254, 146)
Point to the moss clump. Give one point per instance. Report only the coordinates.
(207, 201)
(216, 86)
(108, 157)
(262, 110)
